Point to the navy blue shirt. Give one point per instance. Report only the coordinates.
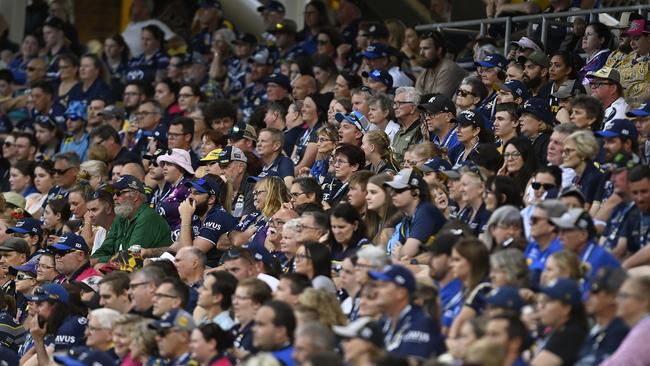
(282, 167)
(98, 90)
(479, 223)
(70, 334)
(415, 335)
(616, 224)
(141, 68)
(217, 222)
(424, 224)
(590, 181)
(602, 342)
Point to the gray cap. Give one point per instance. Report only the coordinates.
(16, 245)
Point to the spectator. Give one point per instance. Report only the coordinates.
(202, 349)
(72, 258)
(535, 120)
(249, 297)
(310, 339)
(98, 331)
(113, 292)
(509, 332)
(579, 153)
(214, 304)
(440, 75)
(170, 295)
(152, 62)
(173, 335)
(634, 78)
(274, 329)
(362, 341)
(407, 115)
(76, 120)
(606, 87)
(269, 148)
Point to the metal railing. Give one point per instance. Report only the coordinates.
(545, 18)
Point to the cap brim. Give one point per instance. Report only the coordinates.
(424, 168)
(379, 276)
(371, 55)
(61, 247)
(196, 186)
(24, 268)
(484, 64)
(561, 224)
(396, 185)
(344, 331)
(451, 174)
(637, 113)
(606, 134)
(18, 230)
(36, 298)
(67, 360)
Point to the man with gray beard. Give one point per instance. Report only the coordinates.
(135, 222)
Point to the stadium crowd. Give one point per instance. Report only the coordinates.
(350, 192)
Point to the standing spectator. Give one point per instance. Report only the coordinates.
(139, 17)
(152, 63)
(441, 75)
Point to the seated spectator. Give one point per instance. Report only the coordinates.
(362, 341)
(269, 148)
(209, 344)
(595, 43)
(274, 329)
(314, 261)
(249, 297)
(170, 295)
(635, 77)
(173, 335)
(441, 75)
(535, 120)
(474, 213)
(214, 304)
(579, 153)
(348, 231)
(606, 86)
(72, 254)
(347, 159)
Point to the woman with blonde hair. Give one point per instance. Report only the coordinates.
(122, 334)
(382, 216)
(563, 264)
(321, 306)
(143, 343)
(269, 194)
(419, 154)
(94, 171)
(326, 143)
(580, 150)
(379, 157)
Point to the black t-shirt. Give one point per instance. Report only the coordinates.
(566, 341)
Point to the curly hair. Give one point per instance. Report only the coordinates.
(322, 306)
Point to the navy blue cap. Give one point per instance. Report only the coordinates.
(399, 275)
(356, 118)
(46, 119)
(436, 164)
(380, 76)
(280, 79)
(245, 38)
(375, 50)
(210, 4)
(642, 111)
(469, 117)
(85, 357)
(49, 291)
(539, 108)
(506, 297)
(378, 30)
(27, 225)
(70, 241)
(29, 266)
(272, 6)
(77, 110)
(437, 104)
(261, 254)
(623, 128)
(264, 174)
(207, 184)
(565, 290)
(517, 88)
(493, 60)
(130, 182)
(175, 318)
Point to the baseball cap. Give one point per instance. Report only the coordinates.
(623, 128)
(210, 4)
(178, 157)
(608, 279)
(573, 191)
(607, 73)
(539, 108)
(470, 118)
(49, 291)
(55, 22)
(642, 111)
(506, 297)
(517, 88)
(525, 42)
(537, 57)
(399, 275)
(113, 111)
(378, 30)
(356, 118)
(272, 6)
(406, 178)
(245, 38)
(264, 174)
(88, 284)
(45, 120)
(15, 199)
(210, 157)
(444, 242)
(365, 328)
(575, 218)
(231, 153)
(279, 79)
(379, 76)
(637, 28)
(175, 318)
(29, 266)
(375, 50)
(130, 182)
(27, 225)
(76, 110)
(437, 104)
(493, 60)
(70, 241)
(207, 184)
(567, 89)
(86, 357)
(563, 289)
(436, 164)
(155, 155)
(19, 245)
(194, 58)
(238, 132)
(285, 26)
(263, 57)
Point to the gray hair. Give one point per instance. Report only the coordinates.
(552, 207)
(321, 338)
(513, 263)
(412, 94)
(150, 274)
(105, 316)
(70, 157)
(373, 254)
(586, 144)
(507, 215)
(228, 36)
(291, 225)
(382, 100)
(565, 128)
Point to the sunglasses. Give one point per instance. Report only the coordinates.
(464, 93)
(8, 144)
(60, 171)
(22, 277)
(547, 186)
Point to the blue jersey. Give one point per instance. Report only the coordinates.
(425, 223)
(536, 258)
(142, 68)
(597, 257)
(451, 298)
(414, 334)
(281, 167)
(253, 96)
(70, 334)
(79, 147)
(98, 90)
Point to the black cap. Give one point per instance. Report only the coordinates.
(55, 22)
(378, 30)
(437, 104)
(245, 38)
(470, 118)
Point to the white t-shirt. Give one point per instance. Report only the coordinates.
(132, 34)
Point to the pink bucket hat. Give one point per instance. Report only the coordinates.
(179, 157)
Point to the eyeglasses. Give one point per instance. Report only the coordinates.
(139, 115)
(339, 162)
(598, 84)
(95, 329)
(277, 222)
(296, 194)
(159, 295)
(60, 171)
(257, 193)
(163, 332)
(135, 285)
(8, 144)
(174, 136)
(323, 41)
(399, 103)
(547, 186)
(401, 190)
(22, 277)
(301, 227)
(464, 93)
(44, 266)
(567, 151)
(130, 94)
(60, 253)
(512, 155)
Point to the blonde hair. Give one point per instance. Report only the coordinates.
(142, 335)
(569, 262)
(397, 32)
(93, 168)
(324, 305)
(485, 353)
(381, 141)
(427, 150)
(586, 144)
(276, 194)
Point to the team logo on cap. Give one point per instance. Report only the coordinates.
(528, 104)
(182, 321)
(372, 28)
(133, 185)
(469, 114)
(635, 26)
(366, 332)
(399, 279)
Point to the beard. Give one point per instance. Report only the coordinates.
(533, 83)
(124, 209)
(201, 208)
(429, 63)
